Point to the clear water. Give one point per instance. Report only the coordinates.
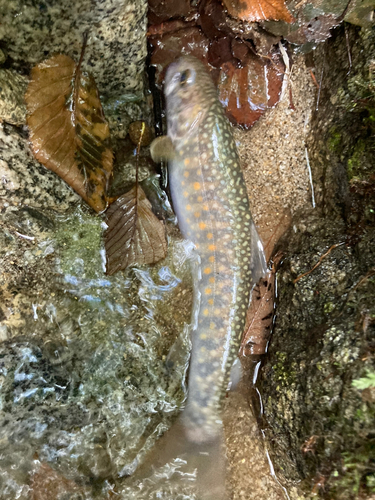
(93, 370)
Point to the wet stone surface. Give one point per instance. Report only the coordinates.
(320, 422)
(116, 50)
(83, 356)
(322, 342)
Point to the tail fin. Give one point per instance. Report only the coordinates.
(204, 461)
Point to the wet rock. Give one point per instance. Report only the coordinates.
(24, 180)
(314, 21)
(117, 37)
(84, 381)
(12, 90)
(320, 424)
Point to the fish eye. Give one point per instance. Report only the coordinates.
(186, 77)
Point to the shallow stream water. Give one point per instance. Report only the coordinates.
(96, 369)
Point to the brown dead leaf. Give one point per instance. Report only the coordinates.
(163, 10)
(259, 10)
(134, 235)
(259, 317)
(248, 91)
(47, 484)
(68, 131)
(165, 49)
(271, 227)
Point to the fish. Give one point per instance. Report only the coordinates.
(210, 201)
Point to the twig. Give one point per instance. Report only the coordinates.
(314, 79)
(319, 262)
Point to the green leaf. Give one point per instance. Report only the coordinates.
(365, 382)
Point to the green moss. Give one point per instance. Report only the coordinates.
(357, 161)
(285, 372)
(357, 476)
(334, 140)
(328, 307)
(79, 240)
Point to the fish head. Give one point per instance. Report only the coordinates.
(189, 92)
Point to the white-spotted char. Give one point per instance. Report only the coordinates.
(210, 200)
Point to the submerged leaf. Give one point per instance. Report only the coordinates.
(247, 92)
(163, 10)
(165, 49)
(259, 317)
(68, 130)
(47, 483)
(271, 227)
(134, 235)
(259, 10)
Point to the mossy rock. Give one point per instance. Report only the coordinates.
(319, 411)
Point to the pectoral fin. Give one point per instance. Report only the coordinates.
(162, 149)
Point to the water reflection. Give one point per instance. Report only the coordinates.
(87, 382)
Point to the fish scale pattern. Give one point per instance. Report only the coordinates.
(211, 203)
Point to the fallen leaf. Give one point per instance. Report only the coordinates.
(212, 19)
(220, 51)
(259, 317)
(317, 29)
(259, 10)
(247, 92)
(162, 29)
(68, 130)
(240, 50)
(165, 49)
(271, 227)
(163, 10)
(134, 235)
(47, 484)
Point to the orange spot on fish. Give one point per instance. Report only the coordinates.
(186, 174)
(208, 291)
(197, 214)
(211, 301)
(188, 207)
(212, 279)
(212, 248)
(197, 186)
(208, 270)
(205, 312)
(200, 199)
(210, 236)
(185, 194)
(205, 207)
(186, 163)
(202, 225)
(212, 326)
(211, 258)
